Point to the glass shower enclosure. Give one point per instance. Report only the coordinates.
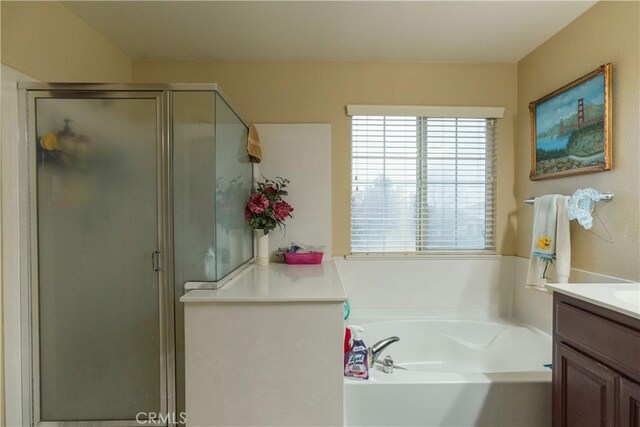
(133, 191)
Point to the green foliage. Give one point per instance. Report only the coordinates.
(542, 154)
(586, 141)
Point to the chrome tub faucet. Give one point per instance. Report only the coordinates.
(376, 350)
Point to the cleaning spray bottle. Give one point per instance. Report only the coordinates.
(347, 331)
(356, 364)
(347, 340)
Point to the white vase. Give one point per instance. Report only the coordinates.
(262, 243)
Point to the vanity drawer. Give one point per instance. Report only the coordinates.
(602, 336)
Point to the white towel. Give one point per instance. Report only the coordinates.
(550, 240)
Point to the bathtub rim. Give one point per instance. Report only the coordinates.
(378, 315)
(433, 378)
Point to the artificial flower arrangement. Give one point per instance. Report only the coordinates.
(266, 209)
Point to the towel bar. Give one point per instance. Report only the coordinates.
(605, 196)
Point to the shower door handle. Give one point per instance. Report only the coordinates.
(155, 261)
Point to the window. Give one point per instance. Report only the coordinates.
(422, 183)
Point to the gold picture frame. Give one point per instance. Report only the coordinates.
(571, 128)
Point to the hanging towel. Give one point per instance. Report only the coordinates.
(253, 145)
(563, 241)
(581, 204)
(545, 213)
(550, 241)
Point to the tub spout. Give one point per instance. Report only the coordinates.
(377, 349)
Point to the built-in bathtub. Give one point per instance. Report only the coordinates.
(459, 372)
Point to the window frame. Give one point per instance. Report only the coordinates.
(491, 114)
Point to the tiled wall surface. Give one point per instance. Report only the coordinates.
(466, 286)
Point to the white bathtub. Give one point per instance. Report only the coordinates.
(460, 372)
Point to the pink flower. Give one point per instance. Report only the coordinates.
(281, 210)
(265, 208)
(257, 203)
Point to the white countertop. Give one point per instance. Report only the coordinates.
(621, 297)
(276, 283)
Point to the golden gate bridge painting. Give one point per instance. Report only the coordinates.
(571, 128)
(580, 122)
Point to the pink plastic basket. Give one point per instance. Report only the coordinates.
(303, 258)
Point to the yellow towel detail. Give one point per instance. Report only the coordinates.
(544, 243)
(253, 145)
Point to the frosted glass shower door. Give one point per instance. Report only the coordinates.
(234, 240)
(98, 347)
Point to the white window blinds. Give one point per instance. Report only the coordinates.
(422, 184)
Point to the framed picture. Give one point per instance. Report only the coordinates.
(571, 128)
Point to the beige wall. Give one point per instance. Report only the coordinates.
(47, 41)
(608, 32)
(265, 92)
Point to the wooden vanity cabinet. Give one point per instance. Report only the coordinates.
(629, 403)
(596, 365)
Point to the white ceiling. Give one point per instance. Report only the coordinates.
(423, 31)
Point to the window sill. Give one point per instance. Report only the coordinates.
(422, 256)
